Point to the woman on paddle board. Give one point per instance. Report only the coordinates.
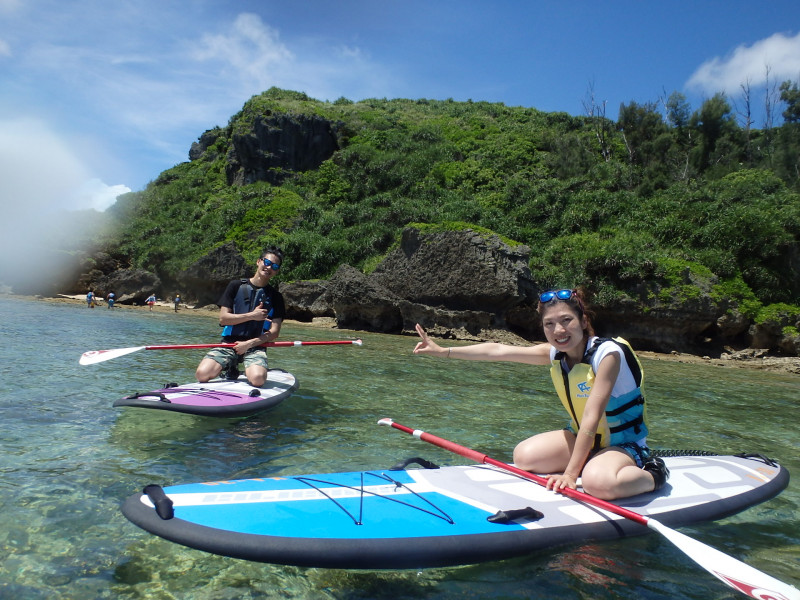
(599, 382)
(251, 312)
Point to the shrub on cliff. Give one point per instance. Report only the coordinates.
(610, 214)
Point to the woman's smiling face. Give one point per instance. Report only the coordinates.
(564, 328)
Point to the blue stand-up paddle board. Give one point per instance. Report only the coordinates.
(218, 397)
(429, 517)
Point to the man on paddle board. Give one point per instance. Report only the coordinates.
(599, 382)
(251, 312)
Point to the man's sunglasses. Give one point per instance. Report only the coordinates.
(270, 265)
(560, 294)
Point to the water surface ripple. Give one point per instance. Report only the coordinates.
(68, 459)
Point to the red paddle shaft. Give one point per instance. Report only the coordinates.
(268, 344)
(734, 573)
(487, 460)
(96, 356)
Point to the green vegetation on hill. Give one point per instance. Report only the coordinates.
(645, 199)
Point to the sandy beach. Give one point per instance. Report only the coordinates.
(749, 359)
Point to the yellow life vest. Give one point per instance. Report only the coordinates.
(625, 418)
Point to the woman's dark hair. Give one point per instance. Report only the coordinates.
(577, 301)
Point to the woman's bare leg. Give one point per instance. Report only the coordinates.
(612, 473)
(547, 452)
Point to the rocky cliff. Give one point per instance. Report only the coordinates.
(275, 145)
(465, 285)
(472, 286)
(205, 280)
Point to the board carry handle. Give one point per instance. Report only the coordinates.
(425, 464)
(160, 500)
(504, 517)
(732, 572)
(161, 397)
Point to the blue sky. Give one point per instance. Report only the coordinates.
(98, 97)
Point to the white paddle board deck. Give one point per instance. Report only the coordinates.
(429, 517)
(218, 397)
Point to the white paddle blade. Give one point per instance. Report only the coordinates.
(96, 356)
(733, 572)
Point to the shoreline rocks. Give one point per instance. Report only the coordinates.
(471, 285)
(750, 358)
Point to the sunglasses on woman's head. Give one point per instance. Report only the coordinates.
(560, 294)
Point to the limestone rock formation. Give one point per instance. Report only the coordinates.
(131, 286)
(206, 140)
(358, 303)
(456, 284)
(300, 297)
(683, 326)
(205, 280)
(277, 144)
(470, 286)
(458, 270)
(779, 332)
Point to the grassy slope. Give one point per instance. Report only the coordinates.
(640, 228)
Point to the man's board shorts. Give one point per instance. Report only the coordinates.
(228, 357)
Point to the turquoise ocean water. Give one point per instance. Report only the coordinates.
(68, 459)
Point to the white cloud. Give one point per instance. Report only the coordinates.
(779, 53)
(162, 96)
(97, 195)
(351, 52)
(150, 94)
(252, 57)
(253, 49)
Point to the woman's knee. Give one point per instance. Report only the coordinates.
(600, 483)
(524, 456)
(543, 453)
(605, 476)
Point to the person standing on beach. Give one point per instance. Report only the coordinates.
(177, 301)
(90, 299)
(151, 300)
(251, 312)
(110, 299)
